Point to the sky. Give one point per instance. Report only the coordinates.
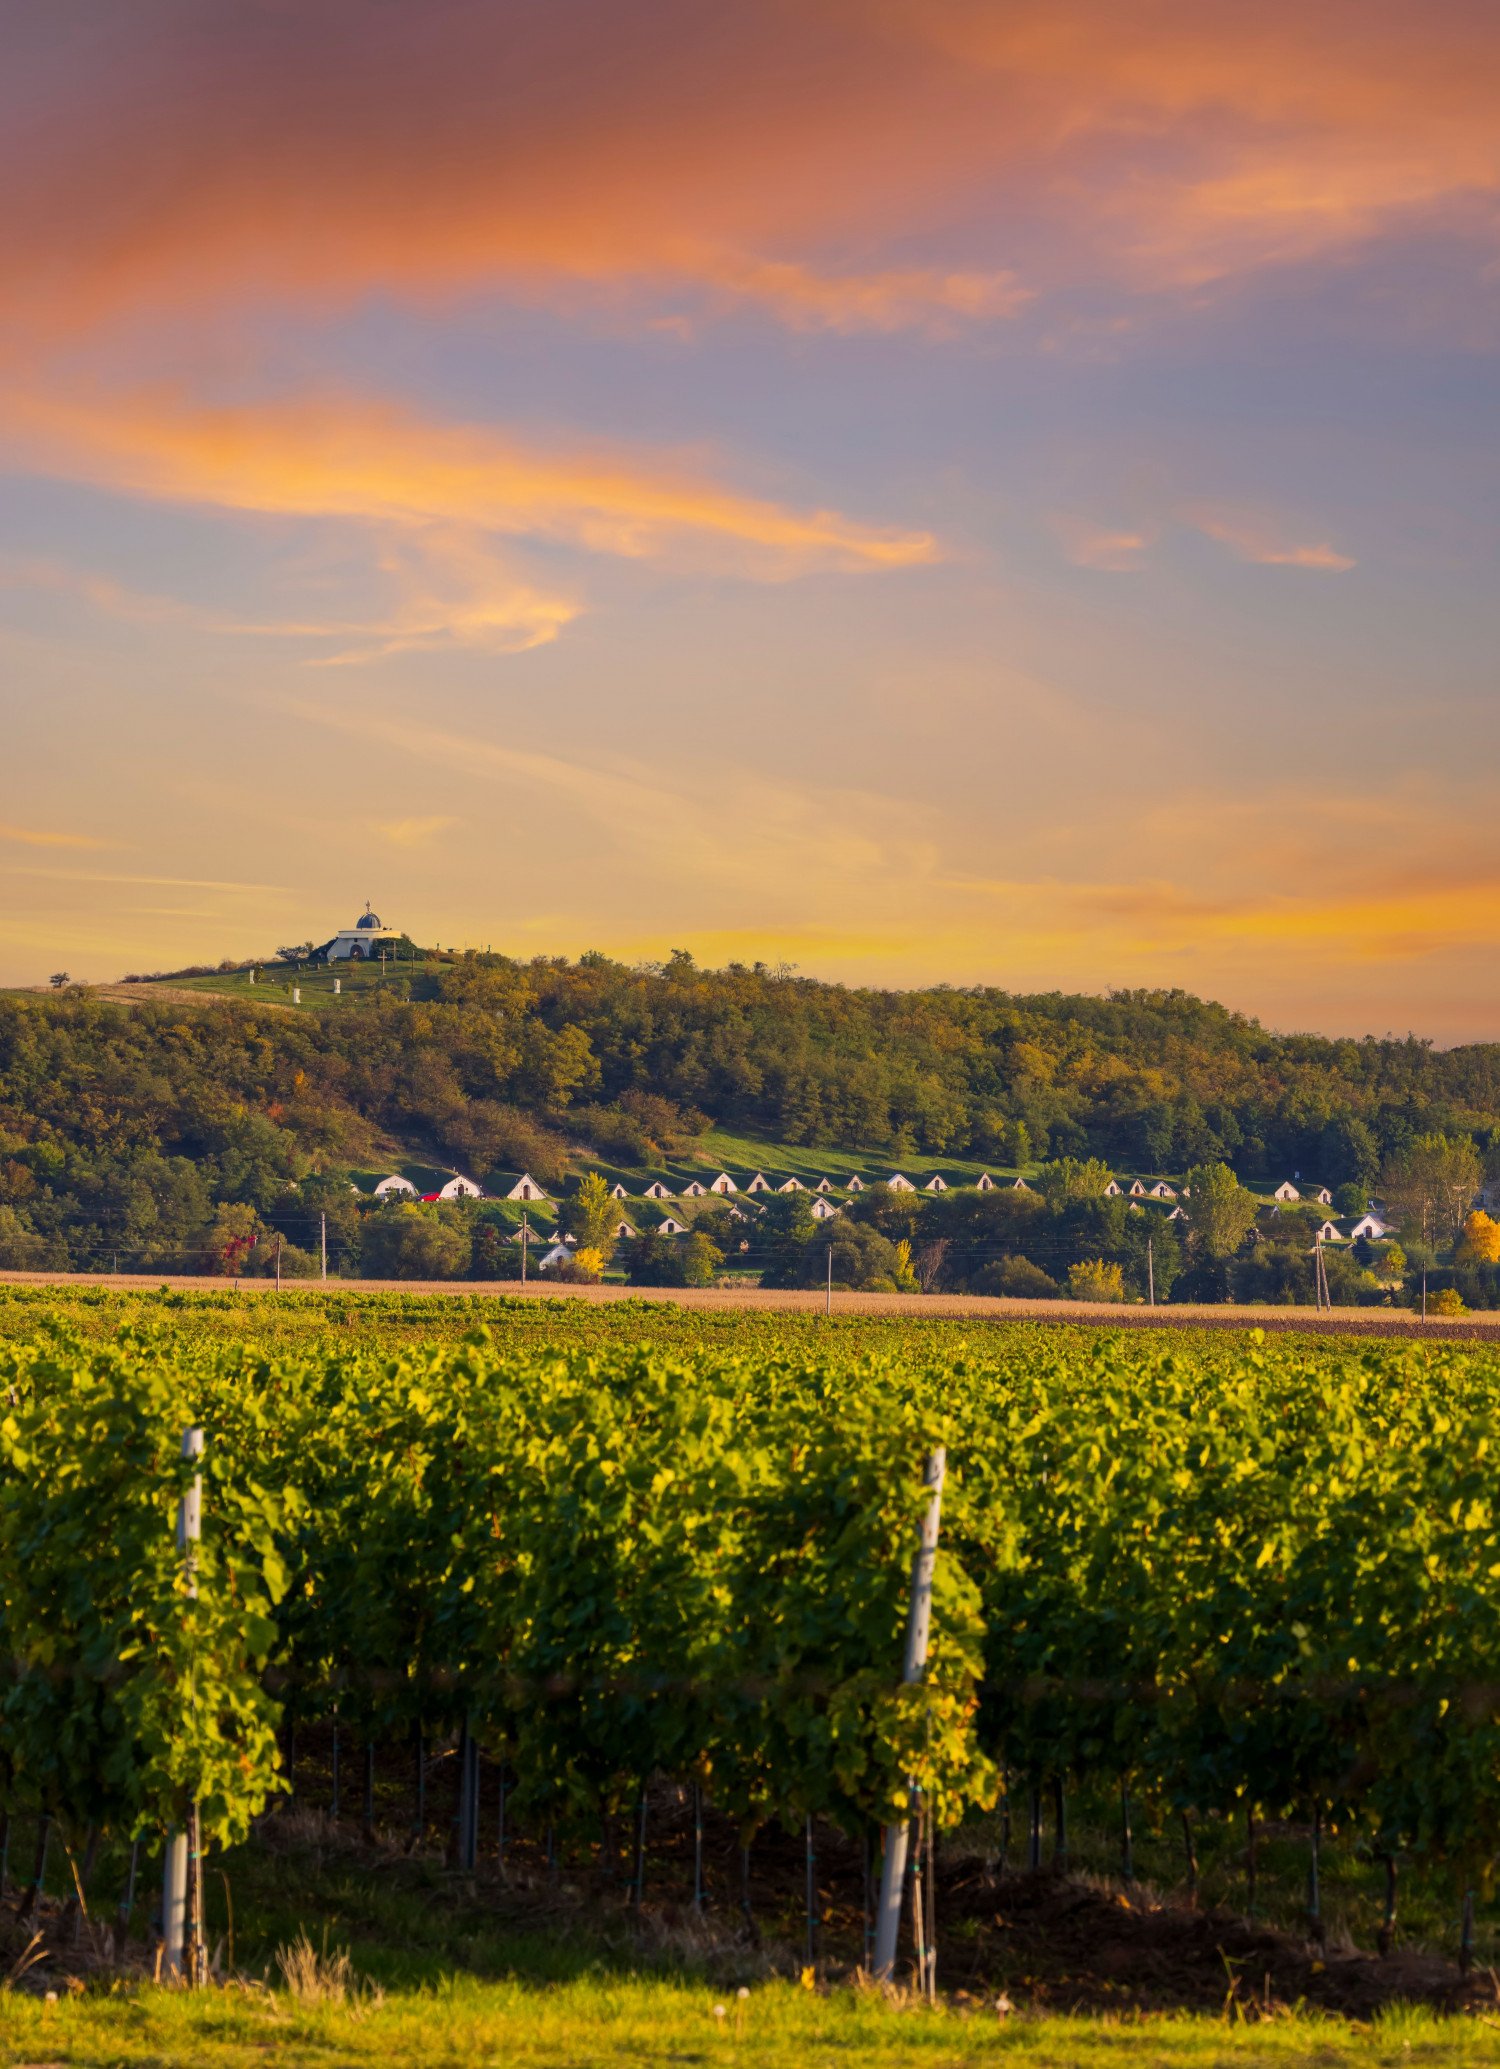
(973, 491)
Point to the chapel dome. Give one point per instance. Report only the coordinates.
(368, 919)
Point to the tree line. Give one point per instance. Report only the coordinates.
(142, 1132)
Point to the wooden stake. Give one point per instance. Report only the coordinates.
(177, 1905)
(918, 1626)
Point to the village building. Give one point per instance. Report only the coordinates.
(1286, 1191)
(900, 1183)
(657, 1191)
(791, 1185)
(1137, 1190)
(694, 1191)
(669, 1227)
(459, 1188)
(617, 1191)
(856, 1184)
(723, 1184)
(394, 1184)
(1162, 1191)
(759, 1183)
(621, 1230)
(1371, 1227)
(525, 1188)
(984, 1183)
(551, 1259)
(823, 1210)
(824, 1185)
(1113, 1190)
(936, 1184)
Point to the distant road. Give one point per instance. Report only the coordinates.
(964, 1307)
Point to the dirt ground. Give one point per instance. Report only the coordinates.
(969, 1307)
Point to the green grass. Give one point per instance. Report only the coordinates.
(604, 2020)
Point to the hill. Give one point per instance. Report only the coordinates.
(134, 1122)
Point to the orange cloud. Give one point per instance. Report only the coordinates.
(183, 157)
(345, 458)
(1260, 539)
(452, 592)
(33, 837)
(1089, 545)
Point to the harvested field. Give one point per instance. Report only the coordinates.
(967, 1307)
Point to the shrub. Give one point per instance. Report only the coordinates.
(1446, 1301)
(1016, 1278)
(1093, 1279)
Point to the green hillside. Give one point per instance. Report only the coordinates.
(200, 1116)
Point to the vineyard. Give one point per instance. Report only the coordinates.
(1240, 1585)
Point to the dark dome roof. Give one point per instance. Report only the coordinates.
(368, 919)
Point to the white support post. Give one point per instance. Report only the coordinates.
(918, 1625)
(323, 1240)
(176, 1895)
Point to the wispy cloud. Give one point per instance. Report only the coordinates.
(344, 457)
(1117, 551)
(38, 837)
(923, 298)
(182, 883)
(414, 833)
(1255, 537)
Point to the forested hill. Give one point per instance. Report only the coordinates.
(504, 1064)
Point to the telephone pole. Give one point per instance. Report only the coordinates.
(323, 1240)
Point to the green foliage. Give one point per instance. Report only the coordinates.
(1220, 1211)
(1070, 1179)
(124, 1129)
(1095, 1279)
(408, 1241)
(591, 1215)
(1430, 1186)
(1216, 1572)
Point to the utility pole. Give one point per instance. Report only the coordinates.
(323, 1240)
(525, 1239)
(918, 1625)
(1150, 1275)
(278, 1264)
(828, 1305)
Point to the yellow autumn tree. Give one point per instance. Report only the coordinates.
(1095, 1279)
(1481, 1238)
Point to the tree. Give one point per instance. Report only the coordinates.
(859, 1257)
(1429, 1187)
(21, 1248)
(701, 1258)
(1094, 1279)
(411, 1242)
(1221, 1213)
(1352, 1197)
(232, 1239)
(591, 1215)
(1070, 1179)
(1015, 1278)
(1481, 1239)
(58, 979)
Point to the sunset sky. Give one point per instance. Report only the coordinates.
(996, 491)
